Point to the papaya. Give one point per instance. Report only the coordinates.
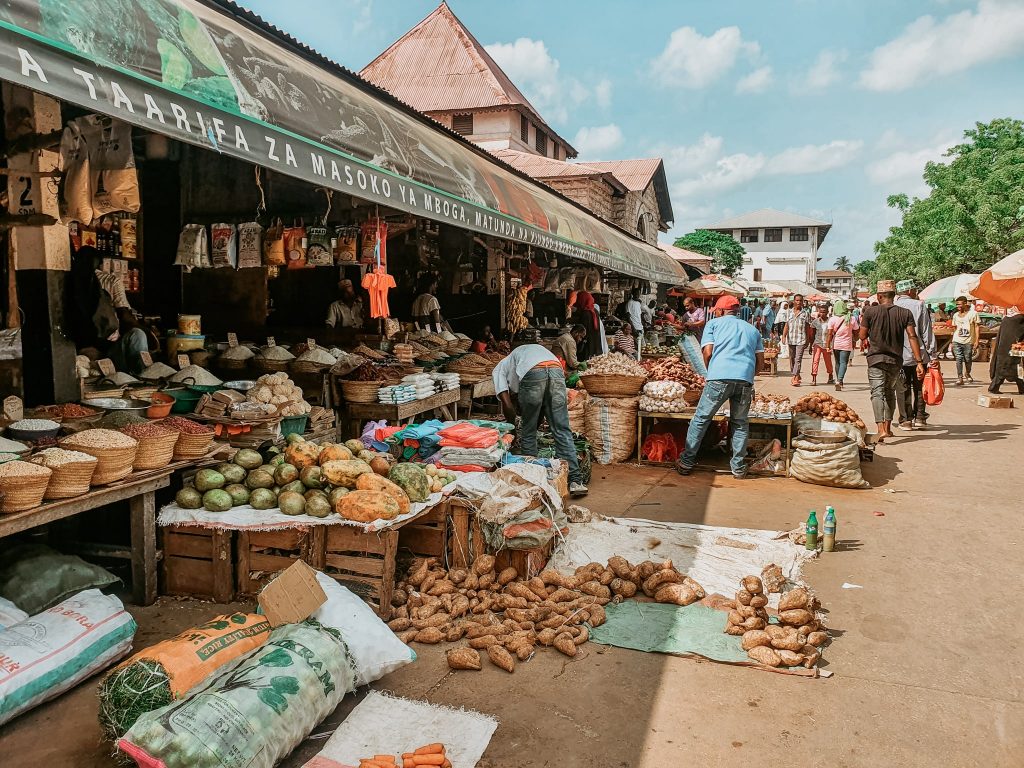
(374, 482)
(367, 506)
(344, 473)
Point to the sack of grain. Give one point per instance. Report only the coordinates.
(577, 410)
(250, 245)
(610, 425)
(832, 464)
(223, 245)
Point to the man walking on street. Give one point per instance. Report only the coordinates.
(635, 313)
(910, 389)
(965, 338)
(732, 351)
(885, 326)
(821, 351)
(797, 333)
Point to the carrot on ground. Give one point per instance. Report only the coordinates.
(407, 762)
(388, 759)
(434, 759)
(431, 749)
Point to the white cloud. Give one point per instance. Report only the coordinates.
(688, 159)
(597, 142)
(532, 68)
(901, 170)
(823, 71)
(813, 158)
(691, 60)
(757, 81)
(928, 47)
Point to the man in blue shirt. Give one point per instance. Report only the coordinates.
(733, 352)
(767, 319)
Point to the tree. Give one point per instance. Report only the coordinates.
(973, 214)
(864, 268)
(726, 254)
(843, 264)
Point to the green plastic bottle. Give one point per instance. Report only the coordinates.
(828, 541)
(812, 531)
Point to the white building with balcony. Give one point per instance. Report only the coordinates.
(779, 245)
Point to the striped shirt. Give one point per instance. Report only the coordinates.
(797, 323)
(625, 344)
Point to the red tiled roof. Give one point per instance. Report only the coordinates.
(687, 257)
(834, 273)
(438, 66)
(635, 174)
(548, 168)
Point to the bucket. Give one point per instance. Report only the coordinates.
(179, 342)
(190, 325)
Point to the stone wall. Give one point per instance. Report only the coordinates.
(591, 193)
(626, 213)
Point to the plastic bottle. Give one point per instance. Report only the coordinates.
(828, 542)
(812, 531)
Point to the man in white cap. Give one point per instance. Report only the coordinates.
(347, 311)
(909, 388)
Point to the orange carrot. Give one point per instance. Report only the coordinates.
(431, 749)
(407, 762)
(434, 759)
(386, 759)
(446, 764)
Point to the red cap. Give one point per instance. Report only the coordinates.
(726, 303)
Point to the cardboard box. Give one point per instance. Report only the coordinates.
(995, 401)
(293, 596)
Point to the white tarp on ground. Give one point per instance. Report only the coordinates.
(717, 558)
(383, 725)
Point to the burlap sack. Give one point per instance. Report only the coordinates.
(610, 425)
(832, 464)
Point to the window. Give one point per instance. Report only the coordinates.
(748, 236)
(798, 234)
(641, 228)
(463, 124)
(554, 150)
(773, 235)
(524, 129)
(542, 143)
(758, 272)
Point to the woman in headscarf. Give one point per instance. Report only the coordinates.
(1003, 367)
(840, 329)
(586, 315)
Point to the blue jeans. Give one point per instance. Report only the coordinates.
(964, 356)
(542, 393)
(716, 392)
(842, 357)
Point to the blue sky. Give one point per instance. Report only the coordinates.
(823, 107)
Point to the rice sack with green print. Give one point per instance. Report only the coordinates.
(253, 712)
(167, 671)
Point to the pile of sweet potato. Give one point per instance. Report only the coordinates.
(792, 642)
(507, 617)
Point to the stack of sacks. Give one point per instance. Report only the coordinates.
(397, 394)
(445, 382)
(421, 382)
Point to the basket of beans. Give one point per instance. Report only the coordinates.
(156, 444)
(114, 451)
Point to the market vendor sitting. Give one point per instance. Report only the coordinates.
(625, 342)
(565, 347)
(126, 354)
(347, 311)
(535, 376)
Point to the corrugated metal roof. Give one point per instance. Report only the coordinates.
(542, 168)
(637, 174)
(766, 217)
(833, 273)
(438, 66)
(692, 258)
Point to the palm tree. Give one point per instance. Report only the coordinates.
(843, 264)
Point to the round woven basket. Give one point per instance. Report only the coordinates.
(692, 396)
(231, 364)
(70, 480)
(192, 446)
(361, 391)
(270, 366)
(20, 493)
(112, 464)
(308, 366)
(155, 452)
(612, 384)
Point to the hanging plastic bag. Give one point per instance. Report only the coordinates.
(113, 178)
(933, 388)
(223, 245)
(346, 240)
(295, 246)
(193, 248)
(75, 192)
(273, 245)
(318, 250)
(250, 244)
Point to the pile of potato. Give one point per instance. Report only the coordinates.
(507, 617)
(793, 642)
(824, 406)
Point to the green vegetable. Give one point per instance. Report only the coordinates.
(217, 500)
(189, 498)
(208, 480)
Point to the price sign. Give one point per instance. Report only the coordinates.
(311, 343)
(271, 341)
(147, 359)
(183, 361)
(232, 339)
(106, 366)
(14, 408)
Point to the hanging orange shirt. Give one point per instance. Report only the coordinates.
(377, 283)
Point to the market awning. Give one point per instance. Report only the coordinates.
(215, 75)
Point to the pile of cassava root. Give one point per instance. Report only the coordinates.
(507, 617)
(793, 642)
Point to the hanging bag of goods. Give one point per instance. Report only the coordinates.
(223, 245)
(193, 248)
(75, 192)
(252, 713)
(250, 245)
(295, 246)
(319, 252)
(346, 242)
(273, 245)
(167, 671)
(114, 180)
(372, 231)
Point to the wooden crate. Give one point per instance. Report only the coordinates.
(443, 533)
(198, 562)
(262, 554)
(364, 563)
(527, 562)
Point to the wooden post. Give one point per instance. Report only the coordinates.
(143, 520)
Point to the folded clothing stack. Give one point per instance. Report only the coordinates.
(397, 394)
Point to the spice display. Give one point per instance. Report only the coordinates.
(368, 372)
(118, 419)
(23, 469)
(35, 425)
(279, 390)
(55, 458)
(276, 353)
(149, 429)
(663, 397)
(195, 374)
(792, 642)
(771, 406)
(68, 411)
(187, 426)
(673, 369)
(317, 355)
(615, 363)
(824, 406)
(157, 371)
(239, 352)
(100, 438)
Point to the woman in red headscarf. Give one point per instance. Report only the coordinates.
(586, 316)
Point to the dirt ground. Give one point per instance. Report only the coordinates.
(926, 666)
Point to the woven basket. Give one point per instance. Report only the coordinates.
(612, 384)
(112, 464)
(692, 396)
(155, 452)
(270, 366)
(70, 480)
(192, 446)
(20, 493)
(361, 391)
(308, 366)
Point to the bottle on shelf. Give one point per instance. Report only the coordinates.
(828, 541)
(811, 531)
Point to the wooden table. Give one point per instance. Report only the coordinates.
(688, 414)
(140, 492)
(360, 413)
(471, 392)
(944, 341)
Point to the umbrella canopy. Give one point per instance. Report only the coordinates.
(1002, 284)
(713, 285)
(949, 289)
